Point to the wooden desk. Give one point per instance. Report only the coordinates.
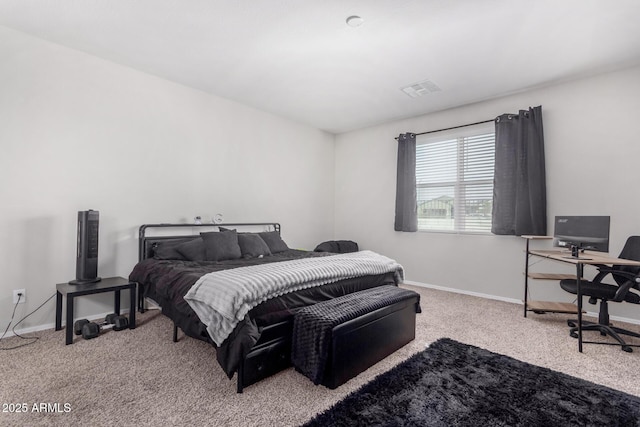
(586, 258)
(543, 306)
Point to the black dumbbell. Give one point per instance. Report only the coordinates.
(91, 330)
(110, 319)
(119, 322)
(77, 326)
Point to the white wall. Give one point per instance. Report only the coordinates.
(78, 133)
(592, 154)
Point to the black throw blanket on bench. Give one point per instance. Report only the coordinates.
(312, 325)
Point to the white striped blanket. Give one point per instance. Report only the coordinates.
(223, 298)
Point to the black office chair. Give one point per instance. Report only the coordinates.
(626, 277)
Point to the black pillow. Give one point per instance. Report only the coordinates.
(168, 250)
(192, 250)
(274, 241)
(221, 246)
(252, 246)
(337, 246)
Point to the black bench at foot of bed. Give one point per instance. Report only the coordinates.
(366, 327)
(335, 340)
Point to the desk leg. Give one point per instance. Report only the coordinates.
(58, 311)
(116, 302)
(526, 277)
(579, 268)
(69, 326)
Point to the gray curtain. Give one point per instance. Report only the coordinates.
(406, 203)
(519, 185)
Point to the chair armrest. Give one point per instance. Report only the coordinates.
(602, 273)
(633, 280)
(622, 291)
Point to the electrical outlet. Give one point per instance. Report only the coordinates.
(23, 298)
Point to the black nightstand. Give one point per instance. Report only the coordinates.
(108, 284)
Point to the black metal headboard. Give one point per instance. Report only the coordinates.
(147, 243)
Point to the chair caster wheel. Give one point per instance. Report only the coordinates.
(573, 334)
(627, 349)
(571, 324)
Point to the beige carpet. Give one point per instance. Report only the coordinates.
(141, 377)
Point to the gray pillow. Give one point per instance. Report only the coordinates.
(274, 241)
(220, 246)
(192, 250)
(169, 249)
(252, 246)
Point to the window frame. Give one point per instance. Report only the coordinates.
(461, 136)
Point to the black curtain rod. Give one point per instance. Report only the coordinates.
(454, 127)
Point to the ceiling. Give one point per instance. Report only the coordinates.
(298, 58)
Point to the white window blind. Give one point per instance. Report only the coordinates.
(454, 178)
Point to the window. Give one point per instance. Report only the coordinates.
(454, 179)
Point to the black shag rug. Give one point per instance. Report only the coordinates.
(454, 384)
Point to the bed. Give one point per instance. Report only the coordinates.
(172, 268)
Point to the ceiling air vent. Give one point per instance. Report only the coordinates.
(419, 89)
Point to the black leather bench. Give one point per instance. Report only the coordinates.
(353, 333)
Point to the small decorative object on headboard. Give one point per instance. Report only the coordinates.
(197, 220)
(217, 218)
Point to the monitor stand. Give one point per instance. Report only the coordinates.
(575, 253)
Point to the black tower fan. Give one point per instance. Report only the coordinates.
(87, 252)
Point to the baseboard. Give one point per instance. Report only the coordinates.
(461, 291)
(53, 325)
(151, 305)
(511, 300)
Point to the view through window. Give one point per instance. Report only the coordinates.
(454, 179)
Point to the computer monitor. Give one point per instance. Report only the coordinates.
(582, 232)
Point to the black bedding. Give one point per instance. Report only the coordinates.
(167, 281)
